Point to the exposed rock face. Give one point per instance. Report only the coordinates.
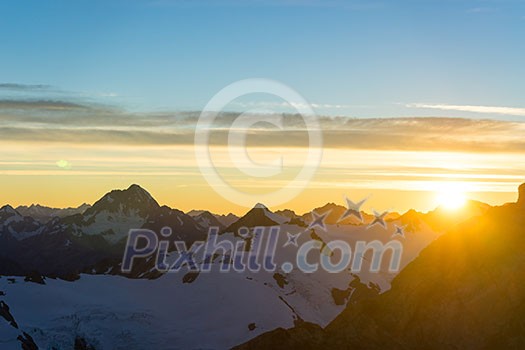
(27, 342)
(464, 291)
(521, 196)
(6, 314)
(280, 279)
(82, 344)
(190, 277)
(35, 277)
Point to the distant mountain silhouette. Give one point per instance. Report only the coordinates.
(521, 196)
(259, 215)
(224, 220)
(92, 238)
(44, 214)
(464, 291)
(227, 220)
(135, 198)
(287, 213)
(15, 224)
(442, 219)
(336, 213)
(294, 218)
(206, 219)
(89, 241)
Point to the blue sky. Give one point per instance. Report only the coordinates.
(372, 58)
(97, 95)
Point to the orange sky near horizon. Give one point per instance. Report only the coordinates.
(394, 180)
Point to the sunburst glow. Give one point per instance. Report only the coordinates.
(451, 196)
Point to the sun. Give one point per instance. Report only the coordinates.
(451, 196)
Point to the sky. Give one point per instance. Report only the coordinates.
(96, 95)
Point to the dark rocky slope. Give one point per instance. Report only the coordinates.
(465, 291)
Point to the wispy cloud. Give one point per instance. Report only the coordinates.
(39, 105)
(32, 94)
(515, 111)
(98, 127)
(24, 87)
(287, 105)
(56, 121)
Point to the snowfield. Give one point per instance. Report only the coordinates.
(215, 311)
(113, 312)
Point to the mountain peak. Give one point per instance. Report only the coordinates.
(134, 197)
(135, 187)
(521, 196)
(207, 219)
(259, 215)
(8, 209)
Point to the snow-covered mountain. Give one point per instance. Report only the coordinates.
(151, 309)
(118, 211)
(13, 225)
(77, 243)
(44, 214)
(115, 213)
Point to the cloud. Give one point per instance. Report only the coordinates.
(39, 105)
(48, 93)
(66, 122)
(121, 128)
(290, 105)
(24, 87)
(473, 109)
(46, 113)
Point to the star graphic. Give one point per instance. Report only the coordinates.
(354, 209)
(292, 239)
(378, 220)
(318, 220)
(400, 231)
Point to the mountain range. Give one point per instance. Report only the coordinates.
(44, 214)
(65, 242)
(62, 269)
(464, 291)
